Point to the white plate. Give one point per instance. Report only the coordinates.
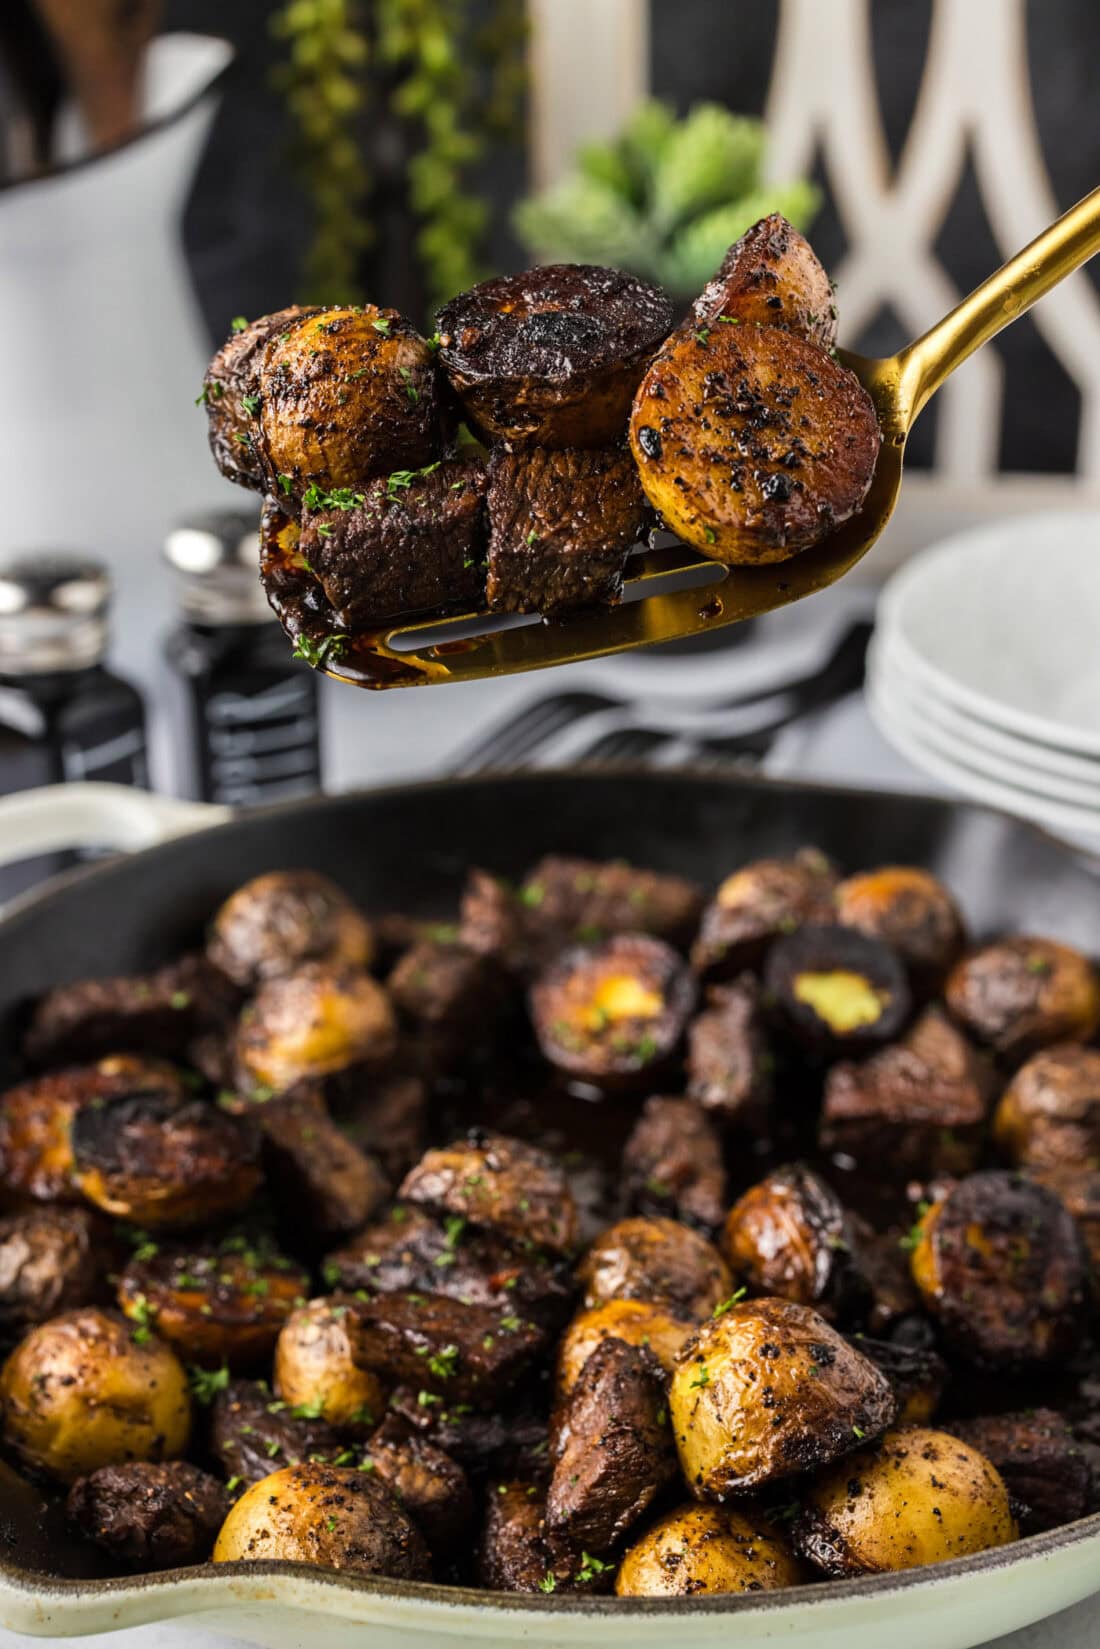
(1081, 824)
(1004, 620)
(970, 750)
(891, 665)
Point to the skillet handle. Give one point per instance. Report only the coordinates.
(58, 816)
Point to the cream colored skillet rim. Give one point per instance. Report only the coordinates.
(209, 1585)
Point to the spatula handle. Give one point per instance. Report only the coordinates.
(1024, 279)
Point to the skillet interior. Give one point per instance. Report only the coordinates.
(407, 848)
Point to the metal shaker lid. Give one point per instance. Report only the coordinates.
(217, 558)
(53, 612)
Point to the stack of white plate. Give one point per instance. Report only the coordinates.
(985, 667)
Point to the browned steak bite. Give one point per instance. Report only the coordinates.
(460, 1353)
(385, 1112)
(408, 1250)
(518, 1553)
(253, 1433)
(1042, 1464)
(159, 1013)
(915, 1110)
(432, 1487)
(551, 356)
(917, 1375)
(493, 1180)
(411, 542)
(729, 1060)
(561, 525)
(448, 997)
(231, 395)
(323, 1184)
(150, 1514)
(510, 1440)
(672, 1163)
(613, 1446)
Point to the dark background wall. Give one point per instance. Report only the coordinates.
(247, 220)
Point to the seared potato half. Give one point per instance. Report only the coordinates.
(87, 1389)
(697, 1551)
(281, 919)
(917, 1497)
(638, 1322)
(334, 1516)
(314, 1368)
(767, 1390)
(771, 276)
(752, 443)
(320, 1019)
(658, 1260)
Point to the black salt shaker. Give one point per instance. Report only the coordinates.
(63, 714)
(251, 708)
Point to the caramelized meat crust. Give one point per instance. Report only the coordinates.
(157, 1013)
(150, 1514)
(1043, 1467)
(324, 1183)
(561, 524)
(756, 904)
(253, 1433)
(231, 395)
(752, 443)
(771, 277)
(517, 1552)
(431, 1487)
(612, 1446)
(411, 542)
(551, 357)
(504, 1184)
(672, 1163)
(463, 1353)
(1023, 994)
(1002, 1267)
(729, 1058)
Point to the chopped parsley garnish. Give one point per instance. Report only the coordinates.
(313, 1410)
(340, 498)
(207, 1382)
(142, 1313)
(720, 1310)
(533, 895)
(703, 335)
(548, 1582)
(238, 323)
(444, 1363)
(857, 1431)
(710, 535)
(427, 1399)
(730, 320)
(286, 482)
(532, 537)
(179, 1000)
(316, 651)
(702, 1378)
(590, 1568)
(234, 1483)
(410, 388)
(511, 1325)
(382, 324)
(251, 404)
(399, 480)
(453, 1226)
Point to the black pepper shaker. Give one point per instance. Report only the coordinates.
(251, 708)
(63, 714)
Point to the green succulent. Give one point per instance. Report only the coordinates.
(664, 199)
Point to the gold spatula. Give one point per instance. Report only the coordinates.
(671, 590)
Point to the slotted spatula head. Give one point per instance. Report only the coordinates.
(672, 591)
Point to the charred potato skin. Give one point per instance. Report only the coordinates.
(613, 1013)
(346, 395)
(656, 1259)
(1049, 1115)
(1022, 994)
(79, 1393)
(253, 1433)
(333, 1516)
(757, 903)
(36, 1157)
(51, 1260)
(830, 952)
(789, 1236)
(501, 1183)
(212, 1306)
(701, 1550)
(432, 1487)
(315, 1021)
(613, 1447)
(910, 910)
(315, 1368)
(640, 1323)
(276, 921)
(672, 1163)
(163, 1161)
(230, 393)
(918, 1496)
(551, 357)
(1001, 1266)
(148, 1514)
(769, 1390)
(752, 443)
(771, 277)
(1043, 1467)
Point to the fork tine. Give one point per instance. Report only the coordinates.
(624, 744)
(521, 734)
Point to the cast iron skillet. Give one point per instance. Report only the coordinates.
(407, 848)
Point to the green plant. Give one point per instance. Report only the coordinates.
(664, 199)
(452, 83)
